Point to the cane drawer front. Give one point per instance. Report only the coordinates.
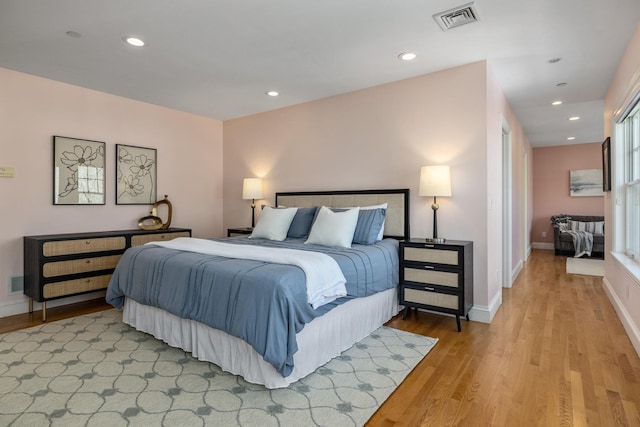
(82, 265)
(429, 275)
(75, 286)
(429, 297)
(141, 239)
(83, 246)
(432, 254)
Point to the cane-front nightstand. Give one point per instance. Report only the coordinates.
(437, 276)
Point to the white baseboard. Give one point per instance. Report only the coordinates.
(479, 313)
(543, 245)
(516, 270)
(22, 306)
(627, 322)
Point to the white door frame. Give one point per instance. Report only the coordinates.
(507, 211)
(525, 201)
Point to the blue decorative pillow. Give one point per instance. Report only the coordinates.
(301, 224)
(370, 222)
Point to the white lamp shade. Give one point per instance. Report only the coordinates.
(435, 181)
(252, 188)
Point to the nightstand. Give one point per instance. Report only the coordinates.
(239, 231)
(437, 277)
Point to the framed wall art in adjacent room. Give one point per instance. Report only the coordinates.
(136, 172)
(78, 171)
(585, 183)
(606, 165)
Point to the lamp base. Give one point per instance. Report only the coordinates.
(435, 240)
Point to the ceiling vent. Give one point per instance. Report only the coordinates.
(465, 14)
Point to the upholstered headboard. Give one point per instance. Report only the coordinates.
(396, 223)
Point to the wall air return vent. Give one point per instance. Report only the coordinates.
(465, 14)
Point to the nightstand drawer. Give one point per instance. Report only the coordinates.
(437, 256)
(431, 298)
(141, 239)
(433, 277)
(83, 246)
(74, 266)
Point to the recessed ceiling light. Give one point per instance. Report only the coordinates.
(571, 138)
(556, 102)
(407, 56)
(561, 84)
(134, 41)
(272, 93)
(574, 118)
(74, 34)
(554, 60)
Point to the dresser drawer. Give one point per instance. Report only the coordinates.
(141, 239)
(432, 255)
(435, 299)
(69, 287)
(432, 277)
(63, 268)
(83, 246)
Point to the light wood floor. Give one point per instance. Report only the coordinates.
(554, 355)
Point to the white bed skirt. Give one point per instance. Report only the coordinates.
(321, 340)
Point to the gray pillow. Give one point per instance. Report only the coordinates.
(370, 222)
(301, 224)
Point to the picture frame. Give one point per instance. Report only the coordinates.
(136, 175)
(585, 183)
(78, 171)
(606, 164)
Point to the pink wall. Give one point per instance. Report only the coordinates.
(622, 283)
(551, 166)
(379, 138)
(34, 109)
(499, 116)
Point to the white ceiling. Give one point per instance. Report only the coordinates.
(217, 58)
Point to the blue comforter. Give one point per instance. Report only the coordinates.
(262, 303)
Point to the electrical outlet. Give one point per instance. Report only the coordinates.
(544, 234)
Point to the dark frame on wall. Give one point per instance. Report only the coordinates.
(606, 165)
(136, 172)
(78, 171)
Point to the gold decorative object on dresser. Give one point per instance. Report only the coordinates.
(62, 265)
(437, 277)
(153, 221)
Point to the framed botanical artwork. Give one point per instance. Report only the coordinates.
(78, 171)
(606, 165)
(136, 171)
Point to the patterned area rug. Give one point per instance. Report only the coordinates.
(95, 370)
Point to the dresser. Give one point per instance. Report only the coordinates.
(437, 277)
(62, 265)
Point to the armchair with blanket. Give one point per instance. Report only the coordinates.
(571, 229)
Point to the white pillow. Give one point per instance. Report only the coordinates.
(334, 228)
(273, 224)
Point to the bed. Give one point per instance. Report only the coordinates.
(226, 310)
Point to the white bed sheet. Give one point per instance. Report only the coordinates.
(322, 339)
